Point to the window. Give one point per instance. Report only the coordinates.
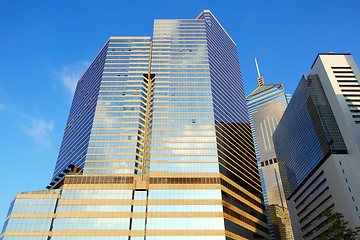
(349, 71)
(341, 67)
(266, 162)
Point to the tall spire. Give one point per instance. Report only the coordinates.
(260, 79)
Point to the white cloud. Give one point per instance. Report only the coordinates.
(38, 130)
(2, 106)
(70, 74)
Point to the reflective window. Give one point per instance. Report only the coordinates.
(34, 205)
(94, 208)
(29, 224)
(96, 194)
(184, 194)
(185, 208)
(185, 223)
(25, 238)
(91, 223)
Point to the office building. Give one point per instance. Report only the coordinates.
(266, 105)
(317, 145)
(157, 146)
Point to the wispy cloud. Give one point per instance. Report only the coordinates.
(2, 106)
(38, 129)
(70, 74)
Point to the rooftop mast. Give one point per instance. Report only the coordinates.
(260, 79)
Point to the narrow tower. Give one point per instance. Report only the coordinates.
(266, 105)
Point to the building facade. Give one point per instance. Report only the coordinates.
(317, 144)
(157, 146)
(266, 105)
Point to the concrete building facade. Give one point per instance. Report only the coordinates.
(317, 144)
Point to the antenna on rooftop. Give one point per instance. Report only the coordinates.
(260, 78)
(257, 67)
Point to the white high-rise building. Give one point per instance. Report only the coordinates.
(317, 144)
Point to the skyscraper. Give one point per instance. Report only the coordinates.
(266, 105)
(317, 144)
(157, 146)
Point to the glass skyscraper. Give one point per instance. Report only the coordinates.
(157, 146)
(266, 105)
(308, 133)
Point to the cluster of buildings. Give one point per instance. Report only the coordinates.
(161, 143)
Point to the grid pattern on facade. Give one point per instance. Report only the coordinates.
(187, 180)
(78, 127)
(315, 127)
(233, 136)
(98, 180)
(117, 136)
(230, 112)
(183, 138)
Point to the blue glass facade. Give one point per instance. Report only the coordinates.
(306, 134)
(116, 138)
(32, 208)
(79, 124)
(183, 138)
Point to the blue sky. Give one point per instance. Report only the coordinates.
(46, 45)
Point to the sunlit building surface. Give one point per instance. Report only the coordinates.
(317, 144)
(266, 105)
(157, 146)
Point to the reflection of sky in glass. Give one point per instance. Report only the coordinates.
(94, 208)
(185, 208)
(31, 205)
(185, 223)
(181, 139)
(185, 194)
(91, 223)
(96, 194)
